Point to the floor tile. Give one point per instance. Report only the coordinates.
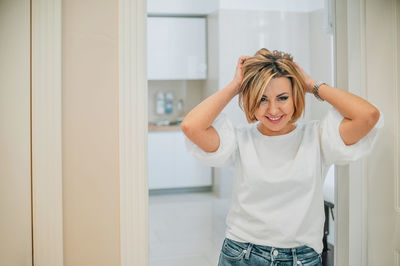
(186, 229)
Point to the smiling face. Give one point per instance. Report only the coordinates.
(276, 108)
(272, 92)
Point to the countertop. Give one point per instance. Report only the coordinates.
(152, 127)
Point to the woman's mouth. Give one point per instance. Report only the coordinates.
(275, 119)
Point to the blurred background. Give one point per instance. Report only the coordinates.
(192, 52)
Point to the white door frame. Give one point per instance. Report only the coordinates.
(350, 182)
(133, 123)
(133, 132)
(341, 255)
(46, 162)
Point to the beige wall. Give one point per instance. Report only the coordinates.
(15, 157)
(90, 133)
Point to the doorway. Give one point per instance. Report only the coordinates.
(279, 27)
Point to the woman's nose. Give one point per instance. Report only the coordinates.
(272, 108)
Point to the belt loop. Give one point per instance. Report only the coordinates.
(248, 251)
(272, 255)
(294, 257)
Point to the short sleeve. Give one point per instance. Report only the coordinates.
(227, 146)
(334, 150)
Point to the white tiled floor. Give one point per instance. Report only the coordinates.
(186, 229)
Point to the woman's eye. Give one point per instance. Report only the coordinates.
(263, 99)
(283, 98)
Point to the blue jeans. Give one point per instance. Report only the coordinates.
(238, 254)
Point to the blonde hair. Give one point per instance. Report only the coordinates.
(258, 70)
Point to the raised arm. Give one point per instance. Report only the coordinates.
(197, 123)
(359, 115)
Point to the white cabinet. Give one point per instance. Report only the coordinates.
(169, 164)
(176, 48)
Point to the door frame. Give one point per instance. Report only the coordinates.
(139, 208)
(46, 142)
(133, 113)
(351, 227)
(341, 210)
(134, 219)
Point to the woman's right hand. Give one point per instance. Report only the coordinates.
(237, 80)
(197, 125)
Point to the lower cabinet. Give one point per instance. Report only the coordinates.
(171, 166)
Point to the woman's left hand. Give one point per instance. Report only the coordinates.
(307, 79)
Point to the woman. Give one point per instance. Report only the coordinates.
(277, 213)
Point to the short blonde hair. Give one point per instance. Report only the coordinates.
(258, 70)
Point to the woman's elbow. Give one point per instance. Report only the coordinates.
(186, 128)
(374, 115)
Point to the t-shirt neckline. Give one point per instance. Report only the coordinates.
(283, 136)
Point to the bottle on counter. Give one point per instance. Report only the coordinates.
(160, 103)
(169, 102)
(179, 107)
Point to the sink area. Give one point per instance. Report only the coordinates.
(167, 122)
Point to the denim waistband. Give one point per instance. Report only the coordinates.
(275, 253)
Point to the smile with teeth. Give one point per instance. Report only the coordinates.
(275, 118)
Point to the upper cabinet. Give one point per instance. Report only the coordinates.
(176, 48)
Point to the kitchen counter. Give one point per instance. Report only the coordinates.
(152, 127)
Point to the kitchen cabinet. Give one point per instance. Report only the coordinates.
(171, 166)
(176, 48)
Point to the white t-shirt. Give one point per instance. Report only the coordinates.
(277, 197)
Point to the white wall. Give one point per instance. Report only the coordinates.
(321, 60)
